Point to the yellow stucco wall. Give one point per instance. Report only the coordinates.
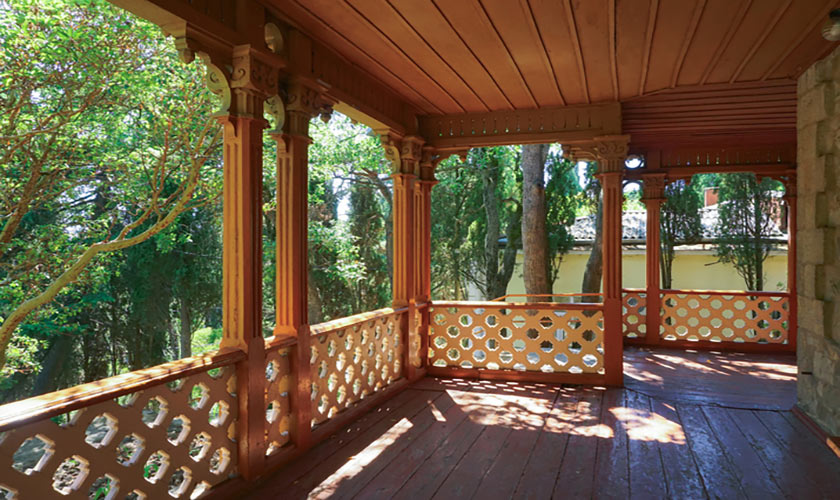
(696, 270)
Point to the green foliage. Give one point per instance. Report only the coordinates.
(747, 214)
(99, 118)
(680, 223)
(563, 200)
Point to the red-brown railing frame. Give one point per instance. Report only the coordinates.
(657, 340)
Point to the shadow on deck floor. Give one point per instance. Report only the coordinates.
(688, 425)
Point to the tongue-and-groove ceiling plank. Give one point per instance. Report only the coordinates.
(450, 57)
(393, 27)
(470, 20)
(513, 21)
(449, 46)
(322, 31)
(372, 42)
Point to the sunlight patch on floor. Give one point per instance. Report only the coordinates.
(643, 425)
(357, 463)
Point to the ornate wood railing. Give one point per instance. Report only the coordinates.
(537, 341)
(353, 358)
(171, 430)
(730, 319)
(164, 431)
(750, 317)
(633, 312)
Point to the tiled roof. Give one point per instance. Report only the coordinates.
(634, 225)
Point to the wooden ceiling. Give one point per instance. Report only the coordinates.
(472, 56)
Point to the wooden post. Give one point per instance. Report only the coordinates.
(610, 153)
(404, 155)
(793, 302)
(242, 119)
(292, 314)
(653, 197)
(423, 201)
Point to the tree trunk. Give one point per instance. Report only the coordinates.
(594, 266)
(53, 366)
(186, 328)
(489, 180)
(535, 266)
(314, 302)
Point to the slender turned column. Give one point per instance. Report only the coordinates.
(610, 153)
(404, 155)
(423, 246)
(292, 315)
(242, 119)
(654, 196)
(793, 302)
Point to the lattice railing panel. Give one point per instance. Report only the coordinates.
(278, 414)
(172, 439)
(498, 337)
(633, 310)
(722, 317)
(353, 361)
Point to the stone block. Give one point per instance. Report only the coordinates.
(810, 245)
(810, 315)
(814, 106)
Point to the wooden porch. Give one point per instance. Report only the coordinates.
(718, 426)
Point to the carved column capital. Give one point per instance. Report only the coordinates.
(609, 151)
(653, 187)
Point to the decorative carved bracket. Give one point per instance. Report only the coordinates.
(609, 151)
(653, 186)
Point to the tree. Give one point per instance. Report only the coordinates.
(94, 159)
(680, 223)
(595, 264)
(747, 212)
(536, 266)
(497, 265)
(562, 193)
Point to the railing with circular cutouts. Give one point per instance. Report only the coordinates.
(744, 317)
(633, 313)
(353, 358)
(166, 431)
(548, 338)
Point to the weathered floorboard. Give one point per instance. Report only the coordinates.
(456, 438)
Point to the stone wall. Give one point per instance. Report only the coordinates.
(818, 242)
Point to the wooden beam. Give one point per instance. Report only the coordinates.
(569, 124)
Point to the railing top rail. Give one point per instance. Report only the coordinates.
(340, 323)
(519, 305)
(503, 297)
(280, 341)
(727, 292)
(634, 290)
(66, 400)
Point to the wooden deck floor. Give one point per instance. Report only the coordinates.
(667, 434)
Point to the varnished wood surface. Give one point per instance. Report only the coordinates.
(490, 55)
(490, 439)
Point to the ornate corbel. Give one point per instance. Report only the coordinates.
(218, 81)
(392, 145)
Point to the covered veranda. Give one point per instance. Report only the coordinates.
(351, 405)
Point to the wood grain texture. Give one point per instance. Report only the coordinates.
(472, 54)
(454, 438)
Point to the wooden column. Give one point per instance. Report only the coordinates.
(793, 304)
(292, 314)
(653, 197)
(242, 119)
(610, 153)
(423, 238)
(404, 155)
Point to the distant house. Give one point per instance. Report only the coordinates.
(695, 266)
